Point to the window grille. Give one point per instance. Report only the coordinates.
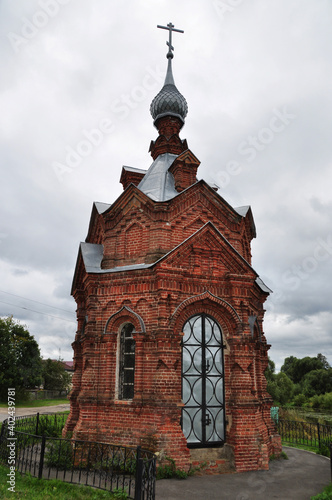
(127, 362)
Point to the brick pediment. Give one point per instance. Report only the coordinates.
(131, 197)
(207, 252)
(188, 157)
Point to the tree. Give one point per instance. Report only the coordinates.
(324, 361)
(281, 388)
(296, 368)
(270, 370)
(288, 366)
(299, 380)
(317, 382)
(55, 376)
(20, 361)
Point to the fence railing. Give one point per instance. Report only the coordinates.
(305, 433)
(46, 394)
(49, 424)
(101, 465)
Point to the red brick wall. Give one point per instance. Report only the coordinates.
(196, 234)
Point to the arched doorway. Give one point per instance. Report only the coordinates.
(203, 416)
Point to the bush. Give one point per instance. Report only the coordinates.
(119, 494)
(299, 400)
(322, 402)
(50, 426)
(327, 401)
(169, 470)
(59, 454)
(282, 456)
(325, 495)
(324, 450)
(117, 464)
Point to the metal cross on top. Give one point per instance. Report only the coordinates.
(170, 28)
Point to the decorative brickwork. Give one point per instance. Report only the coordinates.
(154, 265)
(184, 170)
(131, 175)
(168, 140)
(187, 267)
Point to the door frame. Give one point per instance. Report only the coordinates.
(204, 376)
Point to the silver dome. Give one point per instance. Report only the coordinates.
(169, 101)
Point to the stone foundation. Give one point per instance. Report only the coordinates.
(213, 460)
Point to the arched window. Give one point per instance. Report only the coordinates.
(203, 416)
(127, 362)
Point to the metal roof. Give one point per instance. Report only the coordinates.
(242, 210)
(169, 101)
(262, 286)
(101, 207)
(93, 253)
(92, 256)
(134, 169)
(158, 182)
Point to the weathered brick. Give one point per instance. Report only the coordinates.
(200, 255)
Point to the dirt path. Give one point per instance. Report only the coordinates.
(32, 411)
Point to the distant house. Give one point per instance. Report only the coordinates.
(69, 366)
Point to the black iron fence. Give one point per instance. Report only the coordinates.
(305, 433)
(100, 465)
(50, 424)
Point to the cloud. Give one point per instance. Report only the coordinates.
(87, 62)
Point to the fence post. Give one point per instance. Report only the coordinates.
(330, 446)
(2, 431)
(139, 474)
(41, 460)
(37, 423)
(318, 430)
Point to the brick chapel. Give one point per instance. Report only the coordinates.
(170, 352)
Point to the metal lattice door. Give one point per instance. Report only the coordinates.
(203, 416)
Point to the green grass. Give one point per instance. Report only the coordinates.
(30, 488)
(325, 495)
(48, 424)
(282, 456)
(301, 446)
(38, 402)
(323, 450)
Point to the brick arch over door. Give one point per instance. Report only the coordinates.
(223, 312)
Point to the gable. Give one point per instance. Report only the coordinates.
(137, 230)
(207, 251)
(78, 273)
(199, 203)
(129, 198)
(96, 225)
(188, 157)
(201, 193)
(88, 261)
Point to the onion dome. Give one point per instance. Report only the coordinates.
(169, 101)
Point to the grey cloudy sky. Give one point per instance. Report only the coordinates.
(77, 79)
